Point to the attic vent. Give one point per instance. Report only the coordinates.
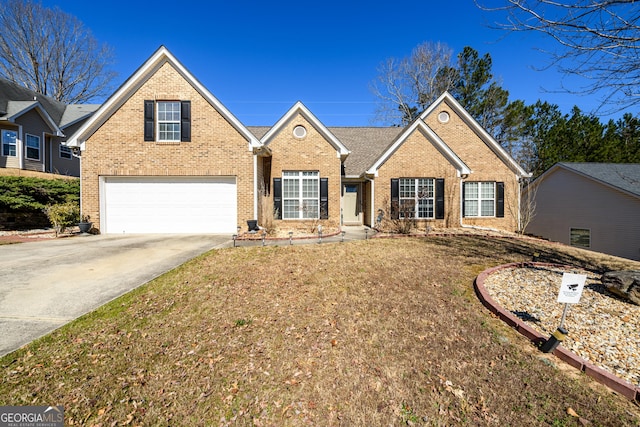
(299, 132)
(443, 117)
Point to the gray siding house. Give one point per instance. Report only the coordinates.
(33, 129)
(589, 205)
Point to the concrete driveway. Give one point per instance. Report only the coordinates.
(45, 284)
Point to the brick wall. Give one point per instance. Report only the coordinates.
(417, 157)
(311, 153)
(118, 146)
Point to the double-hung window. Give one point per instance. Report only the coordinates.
(167, 121)
(483, 199)
(9, 143)
(33, 147)
(416, 197)
(300, 194)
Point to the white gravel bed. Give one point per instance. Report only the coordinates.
(603, 329)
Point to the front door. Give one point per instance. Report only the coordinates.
(351, 205)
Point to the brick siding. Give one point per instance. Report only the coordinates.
(418, 157)
(118, 148)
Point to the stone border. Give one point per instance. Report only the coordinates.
(616, 384)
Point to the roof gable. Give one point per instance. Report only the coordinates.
(432, 137)
(300, 108)
(479, 130)
(136, 80)
(11, 92)
(16, 109)
(624, 177)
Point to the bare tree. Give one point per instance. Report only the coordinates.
(597, 39)
(524, 210)
(52, 53)
(405, 87)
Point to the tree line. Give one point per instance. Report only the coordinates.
(537, 135)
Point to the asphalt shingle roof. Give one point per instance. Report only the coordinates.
(15, 98)
(625, 176)
(10, 91)
(366, 144)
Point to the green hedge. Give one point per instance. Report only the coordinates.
(19, 193)
(23, 200)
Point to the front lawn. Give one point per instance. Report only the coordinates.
(377, 332)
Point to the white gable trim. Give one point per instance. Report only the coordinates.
(300, 108)
(432, 137)
(135, 81)
(40, 109)
(479, 130)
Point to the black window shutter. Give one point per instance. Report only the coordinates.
(149, 120)
(277, 198)
(395, 198)
(324, 198)
(464, 187)
(500, 199)
(440, 198)
(185, 121)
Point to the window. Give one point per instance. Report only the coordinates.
(416, 197)
(167, 121)
(9, 138)
(33, 147)
(300, 195)
(581, 237)
(65, 152)
(483, 199)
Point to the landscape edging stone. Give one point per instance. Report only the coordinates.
(600, 375)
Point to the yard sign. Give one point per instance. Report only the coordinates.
(571, 288)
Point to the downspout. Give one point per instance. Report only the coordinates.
(255, 186)
(44, 145)
(19, 149)
(79, 157)
(372, 200)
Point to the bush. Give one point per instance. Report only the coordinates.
(397, 219)
(19, 193)
(63, 215)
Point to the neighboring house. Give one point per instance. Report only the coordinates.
(162, 154)
(589, 205)
(33, 128)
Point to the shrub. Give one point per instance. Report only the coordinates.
(63, 215)
(396, 219)
(19, 193)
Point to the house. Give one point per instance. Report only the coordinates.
(33, 128)
(163, 154)
(589, 205)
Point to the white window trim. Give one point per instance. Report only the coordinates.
(26, 147)
(159, 122)
(301, 199)
(61, 147)
(2, 143)
(480, 199)
(416, 198)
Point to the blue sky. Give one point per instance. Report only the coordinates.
(259, 57)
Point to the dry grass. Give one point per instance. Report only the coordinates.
(378, 332)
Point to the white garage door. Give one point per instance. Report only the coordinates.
(169, 204)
